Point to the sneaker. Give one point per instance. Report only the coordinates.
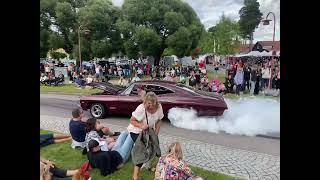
(116, 133)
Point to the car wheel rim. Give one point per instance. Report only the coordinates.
(96, 110)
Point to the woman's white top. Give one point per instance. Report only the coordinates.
(139, 114)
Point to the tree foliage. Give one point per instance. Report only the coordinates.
(166, 20)
(250, 17)
(140, 27)
(222, 39)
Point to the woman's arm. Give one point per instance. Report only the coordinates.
(136, 123)
(157, 126)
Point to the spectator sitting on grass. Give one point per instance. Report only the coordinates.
(140, 72)
(168, 77)
(51, 138)
(43, 78)
(89, 79)
(121, 81)
(48, 171)
(60, 79)
(182, 79)
(135, 78)
(77, 129)
(109, 161)
(79, 81)
(172, 165)
(92, 128)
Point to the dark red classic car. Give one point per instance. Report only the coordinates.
(123, 101)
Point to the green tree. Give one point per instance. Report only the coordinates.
(225, 36)
(55, 41)
(250, 17)
(55, 54)
(44, 45)
(66, 20)
(206, 43)
(100, 17)
(167, 20)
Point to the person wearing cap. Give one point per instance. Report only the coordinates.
(109, 161)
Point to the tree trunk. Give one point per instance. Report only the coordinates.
(160, 51)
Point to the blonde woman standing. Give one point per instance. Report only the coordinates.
(147, 115)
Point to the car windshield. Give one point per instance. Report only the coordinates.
(127, 91)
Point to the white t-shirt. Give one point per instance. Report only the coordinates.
(97, 70)
(139, 114)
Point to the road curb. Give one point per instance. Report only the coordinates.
(62, 93)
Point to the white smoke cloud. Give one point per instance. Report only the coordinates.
(246, 116)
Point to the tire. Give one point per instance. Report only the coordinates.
(97, 110)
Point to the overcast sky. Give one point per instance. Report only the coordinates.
(209, 12)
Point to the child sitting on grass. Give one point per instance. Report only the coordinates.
(171, 165)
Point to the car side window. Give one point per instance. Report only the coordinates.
(158, 90)
(135, 89)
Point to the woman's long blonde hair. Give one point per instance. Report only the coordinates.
(175, 151)
(151, 97)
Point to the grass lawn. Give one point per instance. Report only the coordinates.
(65, 157)
(67, 88)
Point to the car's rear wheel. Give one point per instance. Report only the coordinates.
(97, 110)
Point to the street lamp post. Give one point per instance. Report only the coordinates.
(267, 22)
(79, 41)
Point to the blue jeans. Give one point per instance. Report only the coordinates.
(124, 145)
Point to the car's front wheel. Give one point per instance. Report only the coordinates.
(97, 110)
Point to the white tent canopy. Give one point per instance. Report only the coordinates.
(255, 54)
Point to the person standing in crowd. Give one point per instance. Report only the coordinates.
(147, 115)
(266, 76)
(253, 80)
(246, 77)
(238, 79)
(258, 81)
(276, 78)
(192, 79)
(198, 79)
(229, 83)
(98, 70)
(204, 83)
(47, 69)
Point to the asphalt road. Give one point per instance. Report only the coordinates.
(62, 105)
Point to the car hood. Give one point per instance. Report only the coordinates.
(113, 89)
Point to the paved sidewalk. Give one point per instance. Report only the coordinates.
(231, 161)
